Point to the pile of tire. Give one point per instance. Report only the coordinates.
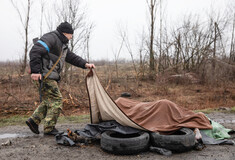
(117, 143)
(181, 141)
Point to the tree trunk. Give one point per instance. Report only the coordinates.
(232, 54)
(23, 67)
(151, 51)
(214, 52)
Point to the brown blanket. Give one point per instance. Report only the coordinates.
(162, 115)
(158, 116)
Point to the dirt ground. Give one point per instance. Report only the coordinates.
(19, 96)
(30, 146)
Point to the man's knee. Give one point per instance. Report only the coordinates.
(57, 105)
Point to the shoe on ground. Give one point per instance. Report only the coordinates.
(53, 132)
(32, 126)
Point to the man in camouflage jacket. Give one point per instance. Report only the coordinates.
(43, 55)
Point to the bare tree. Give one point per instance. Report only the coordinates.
(160, 48)
(142, 55)
(125, 39)
(41, 17)
(152, 7)
(50, 20)
(24, 19)
(72, 11)
(116, 57)
(232, 50)
(87, 41)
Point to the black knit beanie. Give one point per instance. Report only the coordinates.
(65, 27)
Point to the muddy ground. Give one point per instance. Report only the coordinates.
(45, 147)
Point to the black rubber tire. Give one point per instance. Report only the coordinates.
(118, 143)
(183, 140)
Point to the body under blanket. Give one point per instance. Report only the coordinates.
(161, 116)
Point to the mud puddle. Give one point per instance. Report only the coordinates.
(222, 121)
(12, 135)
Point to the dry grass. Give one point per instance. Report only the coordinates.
(19, 96)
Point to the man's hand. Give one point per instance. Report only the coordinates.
(36, 76)
(88, 65)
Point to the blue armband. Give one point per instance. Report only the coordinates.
(44, 45)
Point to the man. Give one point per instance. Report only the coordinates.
(45, 53)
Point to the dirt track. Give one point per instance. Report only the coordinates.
(44, 147)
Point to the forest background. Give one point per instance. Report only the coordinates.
(191, 62)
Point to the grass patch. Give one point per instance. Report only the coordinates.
(13, 120)
(211, 110)
(20, 120)
(208, 110)
(233, 109)
(74, 119)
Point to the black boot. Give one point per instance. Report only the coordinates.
(32, 125)
(53, 132)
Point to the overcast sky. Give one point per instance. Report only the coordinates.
(108, 16)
